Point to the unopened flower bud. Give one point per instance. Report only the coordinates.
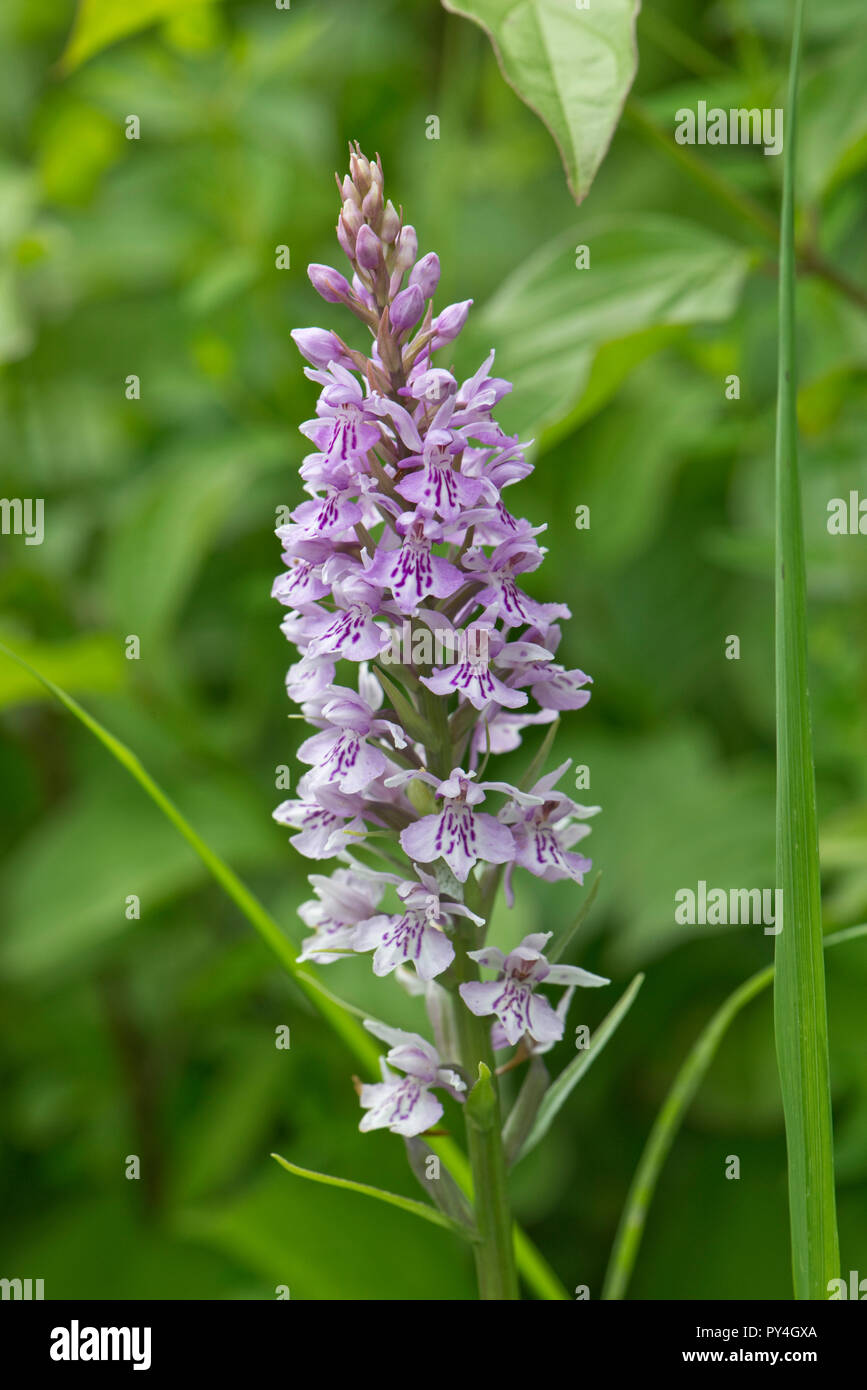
(371, 207)
(390, 223)
(362, 293)
(426, 274)
(346, 239)
(349, 192)
(406, 309)
(449, 323)
(359, 168)
(318, 345)
(328, 282)
(368, 248)
(407, 248)
(352, 217)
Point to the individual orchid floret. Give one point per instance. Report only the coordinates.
(458, 833)
(345, 428)
(435, 484)
(531, 1048)
(327, 822)
(426, 274)
(545, 832)
(512, 997)
(404, 1104)
(320, 346)
(411, 571)
(472, 678)
(500, 597)
(330, 284)
(448, 324)
(352, 633)
(406, 309)
(342, 753)
(416, 936)
(341, 902)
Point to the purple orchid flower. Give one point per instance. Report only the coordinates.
(512, 995)
(435, 484)
(341, 902)
(472, 677)
(545, 832)
(459, 833)
(412, 572)
(417, 935)
(341, 755)
(404, 1104)
(408, 595)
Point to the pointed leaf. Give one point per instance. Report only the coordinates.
(531, 776)
(393, 1199)
(482, 1100)
(572, 66)
(100, 23)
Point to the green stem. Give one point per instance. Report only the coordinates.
(495, 1251)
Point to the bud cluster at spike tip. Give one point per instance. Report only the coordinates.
(405, 562)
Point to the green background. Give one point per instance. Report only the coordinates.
(156, 258)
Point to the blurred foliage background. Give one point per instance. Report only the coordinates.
(156, 257)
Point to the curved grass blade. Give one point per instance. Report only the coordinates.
(533, 1266)
(800, 1008)
(393, 1199)
(670, 1118)
(558, 1093)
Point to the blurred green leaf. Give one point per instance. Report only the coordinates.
(323, 1243)
(572, 66)
(65, 886)
(169, 520)
(550, 319)
(100, 23)
(719, 827)
(92, 663)
(834, 119)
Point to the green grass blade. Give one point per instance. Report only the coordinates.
(670, 1118)
(800, 1009)
(535, 1270)
(392, 1199)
